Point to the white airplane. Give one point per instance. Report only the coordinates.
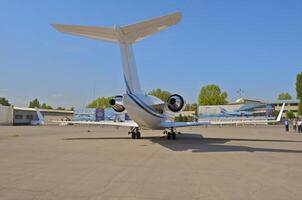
(40, 120)
(147, 112)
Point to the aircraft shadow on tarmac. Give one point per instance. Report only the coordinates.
(197, 143)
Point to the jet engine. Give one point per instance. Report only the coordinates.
(117, 103)
(175, 103)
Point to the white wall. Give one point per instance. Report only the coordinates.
(6, 115)
(216, 109)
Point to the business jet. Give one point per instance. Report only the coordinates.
(146, 111)
(40, 120)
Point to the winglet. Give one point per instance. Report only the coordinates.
(280, 113)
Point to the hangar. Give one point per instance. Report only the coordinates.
(258, 108)
(12, 115)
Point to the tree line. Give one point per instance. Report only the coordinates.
(208, 95)
(33, 104)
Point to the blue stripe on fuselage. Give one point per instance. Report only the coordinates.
(127, 85)
(144, 106)
(139, 102)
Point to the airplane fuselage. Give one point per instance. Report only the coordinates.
(140, 109)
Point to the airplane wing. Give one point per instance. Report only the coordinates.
(183, 124)
(128, 123)
(203, 123)
(278, 119)
(243, 122)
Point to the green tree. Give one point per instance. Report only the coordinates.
(178, 118)
(34, 103)
(284, 96)
(60, 108)
(299, 86)
(45, 106)
(184, 118)
(191, 107)
(276, 113)
(4, 101)
(290, 114)
(299, 91)
(101, 102)
(161, 94)
(212, 95)
(300, 107)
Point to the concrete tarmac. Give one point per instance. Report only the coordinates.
(91, 163)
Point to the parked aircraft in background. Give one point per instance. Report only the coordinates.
(147, 112)
(40, 120)
(235, 113)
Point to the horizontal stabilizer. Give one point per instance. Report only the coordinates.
(138, 31)
(127, 34)
(102, 33)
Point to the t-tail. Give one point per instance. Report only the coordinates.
(40, 117)
(125, 36)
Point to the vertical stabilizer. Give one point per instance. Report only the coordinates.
(129, 68)
(40, 117)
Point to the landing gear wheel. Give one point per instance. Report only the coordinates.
(133, 135)
(138, 135)
(168, 135)
(174, 136)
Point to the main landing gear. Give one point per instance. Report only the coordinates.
(135, 134)
(171, 134)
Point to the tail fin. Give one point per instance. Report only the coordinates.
(40, 116)
(125, 36)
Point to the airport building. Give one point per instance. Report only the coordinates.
(290, 105)
(244, 107)
(6, 115)
(12, 115)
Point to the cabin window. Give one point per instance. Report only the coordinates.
(19, 116)
(29, 117)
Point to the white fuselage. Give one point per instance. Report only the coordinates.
(141, 109)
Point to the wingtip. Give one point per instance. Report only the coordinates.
(56, 26)
(177, 15)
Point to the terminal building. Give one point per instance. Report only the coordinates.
(244, 107)
(11, 115)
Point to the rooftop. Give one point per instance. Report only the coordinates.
(43, 110)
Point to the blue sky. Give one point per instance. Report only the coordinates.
(252, 45)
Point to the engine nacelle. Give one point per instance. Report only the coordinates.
(175, 103)
(117, 103)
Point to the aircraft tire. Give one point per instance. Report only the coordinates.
(173, 136)
(138, 135)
